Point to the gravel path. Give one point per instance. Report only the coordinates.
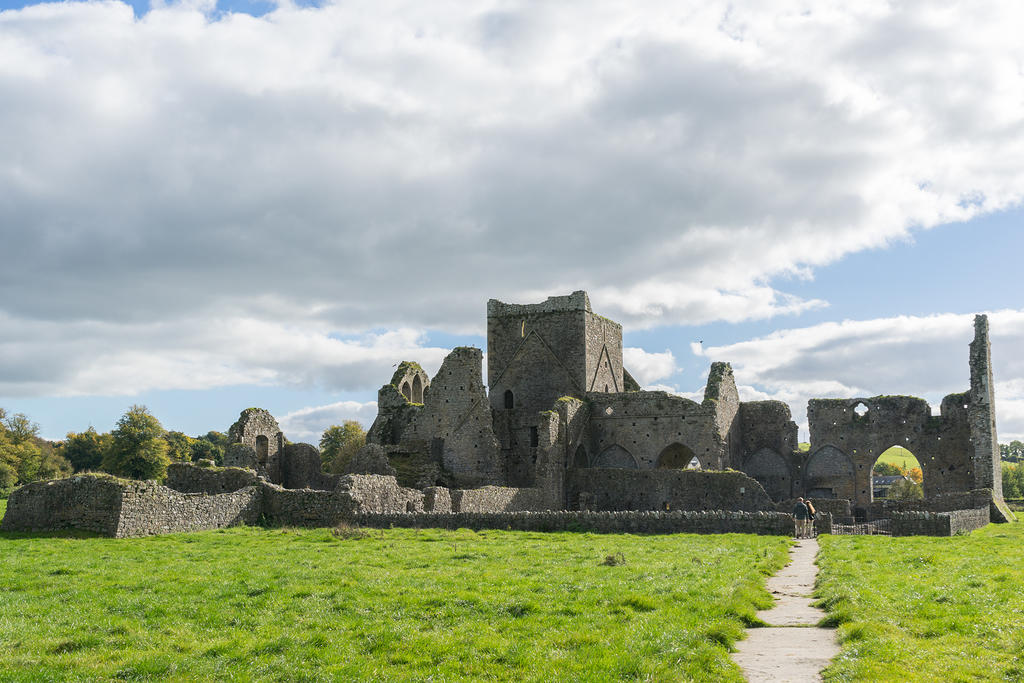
(794, 649)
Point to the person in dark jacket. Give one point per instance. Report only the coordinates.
(802, 517)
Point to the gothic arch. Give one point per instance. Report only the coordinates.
(771, 471)
(581, 459)
(829, 474)
(675, 456)
(617, 457)
(417, 390)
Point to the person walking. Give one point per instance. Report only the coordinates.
(800, 515)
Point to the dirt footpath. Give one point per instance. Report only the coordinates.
(793, 649)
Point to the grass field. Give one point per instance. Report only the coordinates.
(287, 604)
(926, 609)
(897, 455)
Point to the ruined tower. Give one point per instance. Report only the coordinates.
(538, 353)
(982, 413)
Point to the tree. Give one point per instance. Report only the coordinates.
(906, 490)
(138, 449)
(340, 443)
(916, 475)
(179, 446)
(887, 469)
(85, 450)
(1012, 452)
(25, 454)
(204, 449)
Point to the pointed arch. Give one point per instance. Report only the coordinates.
(675, 456)
(829, 474)
(893, 483)
(770, 470)
(581, 459)
(406, 390)
(615, 456)
(417, 390)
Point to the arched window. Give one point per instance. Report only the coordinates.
(417, 390)
(406, 391)
(510, 400)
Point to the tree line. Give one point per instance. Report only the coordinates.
(138, 447)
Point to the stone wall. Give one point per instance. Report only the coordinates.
(85, 502)
(455, 425)
(617, 489)
(939, 523)
(988, 471)
(148, 509)
(301, 468)
(680, 522)
(498, 499)
(848, 436)
(188, 478)
(646, 429)
(258, 429)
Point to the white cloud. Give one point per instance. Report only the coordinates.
(646, 367)
(103, 358)
(373, 164)
(923, 356)
(196, 200)
(308, 424)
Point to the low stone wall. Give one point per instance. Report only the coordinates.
(636, 522)
(498, 499)
(86, 502)
(624, 489)
(822, 523)
(924, 523)
(188, 478)
(148, 508)
(354, 494)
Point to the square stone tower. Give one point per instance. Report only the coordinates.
(537, 353)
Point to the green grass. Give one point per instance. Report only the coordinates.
(255, 604)
(926, 609)
(898, 455)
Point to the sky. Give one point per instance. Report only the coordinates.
(210, 206)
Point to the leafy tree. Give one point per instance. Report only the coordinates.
(887, 469)
(85, 450)
(340, 443)
(24, 453)
(179, 446)
(906, 490)
(8, 478)
(217, 439)
(138, 449)
(916, 475)
(1012, 452)
(204, 449)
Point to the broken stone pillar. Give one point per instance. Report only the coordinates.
(982, 413)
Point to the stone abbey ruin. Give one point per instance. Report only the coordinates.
(562, 437)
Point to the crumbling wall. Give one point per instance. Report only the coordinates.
(189, 478)
(650, 425)
(940, 444)
(411, 381)
(615, 489)
(86, 502)
(767, 444)
(988, 471)
(939, 523)
(455, 423)
(258, 429)
(498, 499)
(395, 414)
(301, 468)
(148, 509)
